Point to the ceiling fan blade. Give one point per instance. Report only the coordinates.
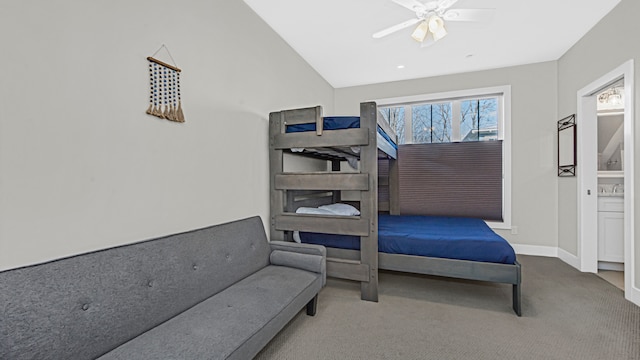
(445, 4)
(469, 14)
(412, 5)
(395, 28)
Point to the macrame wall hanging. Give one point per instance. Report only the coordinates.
(165, 101)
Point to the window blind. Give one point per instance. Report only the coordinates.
(451, 179)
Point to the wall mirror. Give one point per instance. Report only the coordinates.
(567, 146)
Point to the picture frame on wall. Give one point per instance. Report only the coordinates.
(567, 157)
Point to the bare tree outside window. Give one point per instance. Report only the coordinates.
(474, 119)
(431, 123)
(479, 120)
(441, 120)
(421, 124)
(395, 117)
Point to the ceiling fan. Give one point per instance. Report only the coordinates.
(430, 17)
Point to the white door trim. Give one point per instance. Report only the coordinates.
(587, 175)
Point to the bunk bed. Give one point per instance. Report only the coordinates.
(355, 255)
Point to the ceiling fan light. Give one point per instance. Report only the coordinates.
(435, 23)
(442, 32)
(436, 26)
(420, 32)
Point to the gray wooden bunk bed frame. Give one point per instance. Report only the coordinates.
(290, 190)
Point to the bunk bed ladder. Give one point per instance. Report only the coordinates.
(365, 182)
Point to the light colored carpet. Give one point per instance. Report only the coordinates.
(614, 277)
(566, 315)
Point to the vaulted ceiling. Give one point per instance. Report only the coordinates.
(335, 36)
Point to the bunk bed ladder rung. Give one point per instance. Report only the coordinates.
(329, 138)
(321, 181)
(347, 269)
(346, 225)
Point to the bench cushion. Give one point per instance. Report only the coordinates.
(234, 324)
(307, 262)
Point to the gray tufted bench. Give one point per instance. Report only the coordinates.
(221, 292)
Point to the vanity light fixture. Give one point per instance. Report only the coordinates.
(611, 96)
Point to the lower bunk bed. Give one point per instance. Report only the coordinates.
(464, 248)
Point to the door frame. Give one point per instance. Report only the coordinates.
(588, 175)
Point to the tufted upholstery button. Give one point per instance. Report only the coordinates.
(253, 246)
(227, 256)
(85, 307)
(150, 283)
(195, 267)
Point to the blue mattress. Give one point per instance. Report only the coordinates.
(337, 123)
(431, 236)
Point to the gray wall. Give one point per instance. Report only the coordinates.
(82, 167)
(613, 41)
(533, 124)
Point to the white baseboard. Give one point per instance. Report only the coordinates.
(535, 250)
(632, 294)
(606, 265)
(569, 258)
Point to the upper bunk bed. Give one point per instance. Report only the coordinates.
(385, 138)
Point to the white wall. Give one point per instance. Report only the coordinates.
(613, 41)
(533, 123)
(82, 167)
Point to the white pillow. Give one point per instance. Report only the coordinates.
(341, 209)
(315, 211)
(309, 210)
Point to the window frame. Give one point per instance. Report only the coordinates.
(504, 130)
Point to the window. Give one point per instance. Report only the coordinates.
(479, 119)
(468, 119)
(394, 115)
(477, 115)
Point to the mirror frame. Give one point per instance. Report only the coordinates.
(567, 133)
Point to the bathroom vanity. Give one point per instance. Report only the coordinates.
(610, 224)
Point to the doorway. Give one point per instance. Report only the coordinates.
(587, 131)
(610, 130)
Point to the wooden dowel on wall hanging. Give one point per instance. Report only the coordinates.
(163, 64)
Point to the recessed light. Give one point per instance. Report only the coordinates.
(400, 66)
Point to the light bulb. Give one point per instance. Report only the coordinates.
(420, 32)
(436, 26)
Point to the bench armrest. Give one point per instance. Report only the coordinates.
(302, 256)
